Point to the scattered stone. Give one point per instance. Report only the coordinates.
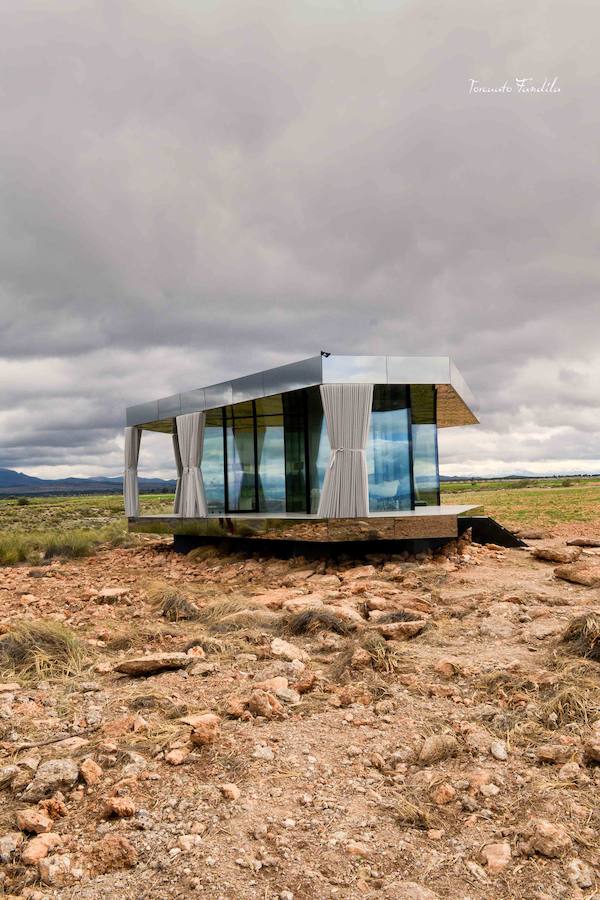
(234, 706)
(34, 821)
(532, 534)
(497, 627)
(410, 890)
(230, 791)
(584, 542)
(120, 807)
(447, 667)
(547, 839)
(264, 704)
(9, 687)
(496, 857)
(554, 753)
(355, 848)
(285, 650)
(591, 745)
(114, 851)
(580, 874)
(544, 628)
(9, 844)
(557, 554)
(205, 729)
(263, 752)
(580, 573)
(51, 776)
(54, 806)
(399, 631)
(499, 751)
(7, 773)
(39, 847)
(443, 793)
(55, 869)
(177, 757)
(90, 771)
(153, 663)
(438, 747)
(111, 594)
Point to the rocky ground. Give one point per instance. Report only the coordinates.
(451, 752)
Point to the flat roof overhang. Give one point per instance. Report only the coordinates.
(455, 402)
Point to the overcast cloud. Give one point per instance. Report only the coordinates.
(193, 190)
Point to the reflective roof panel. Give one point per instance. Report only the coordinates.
(455, 400)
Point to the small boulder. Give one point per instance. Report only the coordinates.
(90, 771)
(55, 869)
(205, 729)
(557, 554)
(496, 857)
(591, 745)
(39, 847)
(261, 703)
(119, 807)
(547, 839)
(579, 573)
(34, 821)
(51, 776)
(580, 874)
(286, 650)
(114, 851)
(153, 663)
(230, 791)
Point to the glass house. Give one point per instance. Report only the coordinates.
(327, 438)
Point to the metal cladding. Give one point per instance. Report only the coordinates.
(455, 403)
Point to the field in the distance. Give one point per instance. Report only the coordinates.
(537, 502)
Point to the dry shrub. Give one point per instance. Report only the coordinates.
(583, 633)
(308, 621)
(233, 614)
(411, 815)
(41, 649)
(175, 607)
(575, 703)
(207, 643)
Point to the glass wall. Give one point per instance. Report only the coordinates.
(241, 454)
(426, 480)
(388, 449)
(213, 462)
(270, 455)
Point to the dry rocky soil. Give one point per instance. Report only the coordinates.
(203, 747)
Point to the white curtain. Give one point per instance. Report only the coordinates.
(190, 433)
(347, 409)
(179, 464)
(131, 493)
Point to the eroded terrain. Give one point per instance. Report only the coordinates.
(447, 754)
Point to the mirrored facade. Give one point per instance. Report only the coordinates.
(270, 455)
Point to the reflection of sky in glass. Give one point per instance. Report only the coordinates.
(388, 460)
(425, 468)
(212, 469)
(272, 469)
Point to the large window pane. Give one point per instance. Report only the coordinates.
(388, 450)
(294, 415)
(241, 471)
(271, 455)
(426, 481)
(213, 462)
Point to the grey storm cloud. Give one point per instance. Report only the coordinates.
(190, 191)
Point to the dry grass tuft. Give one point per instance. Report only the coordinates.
(41, 649)
(385, 656)
(411, 815)
(576, 703)
(308, 621)
(583, 633)
(399, 615)
(176, 607)
(214, 613)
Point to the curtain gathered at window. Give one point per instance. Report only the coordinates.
(190, 435)
(347, 409)
(131, 492)
(179, 465)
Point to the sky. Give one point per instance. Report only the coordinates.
(195, 190)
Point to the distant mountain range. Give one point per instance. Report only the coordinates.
(12, 483)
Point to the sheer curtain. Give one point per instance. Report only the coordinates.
(347, 409)
(179, 464)
(190, 434)
(131, 493)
